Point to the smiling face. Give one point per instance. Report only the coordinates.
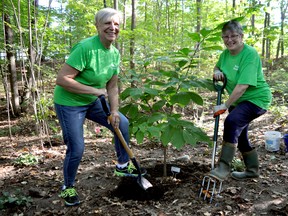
(233, 41)
(108, 30)
(232, 35)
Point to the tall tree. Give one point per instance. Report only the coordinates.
(168, 17)
(10, 53)
(132, 39)
(266, 40)
(115, 4)
(280, 45)
(198, 12)
(253, 3)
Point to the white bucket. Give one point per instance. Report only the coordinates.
(272, 140)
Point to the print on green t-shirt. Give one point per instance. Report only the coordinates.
(96, 66)
(245, 68)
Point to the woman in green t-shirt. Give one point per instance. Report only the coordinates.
(249, 98)
(90, 71)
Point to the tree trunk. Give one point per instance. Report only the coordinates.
(233, 6)
(122, 47)
(264, 36)
(280, 45)
(16, 109)
(198, 17)
(182, 20)
(30, 80)
(159, 14)
(168, 18)
(253, 18)
(132, 40)
(198, 28)
(116, 7)
(266, 41)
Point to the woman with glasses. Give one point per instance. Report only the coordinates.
(249, 98)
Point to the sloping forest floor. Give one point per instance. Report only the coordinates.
(34, 190)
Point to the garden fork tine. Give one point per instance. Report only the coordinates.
(208, 179)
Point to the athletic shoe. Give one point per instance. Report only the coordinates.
(70, 196)
(129, 171)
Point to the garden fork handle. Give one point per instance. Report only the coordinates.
(219, 88)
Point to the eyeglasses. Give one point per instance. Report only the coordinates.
(232, 37)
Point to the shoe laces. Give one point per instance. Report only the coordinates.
(131, 168)
(69, 192)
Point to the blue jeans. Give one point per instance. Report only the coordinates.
(237, 122)
(71, 120)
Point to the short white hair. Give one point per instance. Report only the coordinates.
(105, 14)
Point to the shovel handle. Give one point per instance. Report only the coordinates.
(144, 183)
(117, 131)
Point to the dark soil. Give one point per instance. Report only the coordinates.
(102, 193)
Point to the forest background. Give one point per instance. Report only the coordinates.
(168, 49)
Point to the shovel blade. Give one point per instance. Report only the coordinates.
(144, 183)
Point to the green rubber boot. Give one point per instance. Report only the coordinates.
(252, 166)
(223, 169)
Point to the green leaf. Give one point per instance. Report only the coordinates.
(156, 117)
(214, 39)
(185, 51)
(195, 36)
(151, 91)
(133, 111)
(204, 32)
(182, 63)
(196, 98)
(181, 98)
(189, 138)
(154, 131)
(136, 93)
(12, 199)
(139, 136)
(199, 135)
(145, 107)
(143, 127)
(166, 135)
(212, 48)
(158, 105)
(169, 73)
(170, 89)
(157, 83)
(134, 130)
(177, 139)
(126, 93)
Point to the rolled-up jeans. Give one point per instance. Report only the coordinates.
(71, 120)
(237, 122)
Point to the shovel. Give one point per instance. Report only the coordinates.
(207, 180)
(143, 183)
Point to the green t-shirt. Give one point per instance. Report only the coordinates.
(96, 66)
(246, 68)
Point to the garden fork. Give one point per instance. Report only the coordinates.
(208, 180)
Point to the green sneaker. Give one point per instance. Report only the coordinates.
(70, 196)
(129, 171)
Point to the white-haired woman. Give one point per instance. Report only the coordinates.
(90, 71)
